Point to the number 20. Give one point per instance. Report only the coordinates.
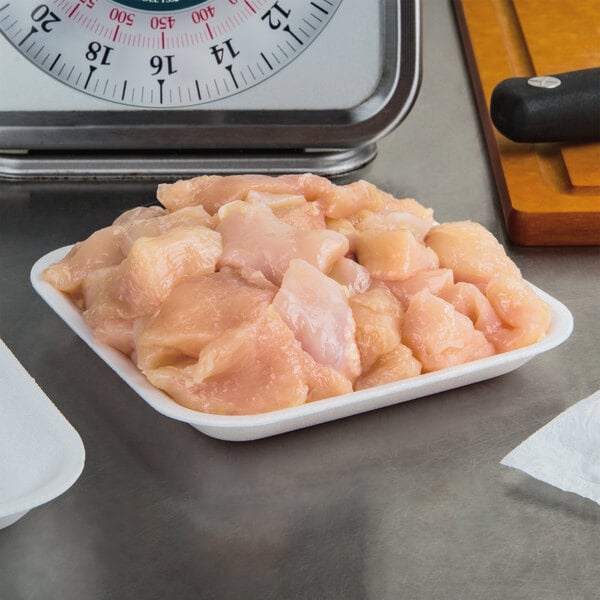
(43, 15)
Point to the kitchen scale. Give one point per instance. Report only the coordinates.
(169, 88)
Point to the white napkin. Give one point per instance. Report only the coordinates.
(566, 452)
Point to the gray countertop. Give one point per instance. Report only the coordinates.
(408, 501)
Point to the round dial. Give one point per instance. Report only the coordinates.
(163, 53)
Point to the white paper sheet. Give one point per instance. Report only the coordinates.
(566, 452)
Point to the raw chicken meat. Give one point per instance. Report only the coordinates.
(118, 333)
(327, 335)
(471, 251)
(304, 216)
(468, 300)
(393, 255)
(154, 266)
(439, 336)
(137, 214)
(354, 277)
(101, 299)
(151, 227)
(275, 201)
(525, 315)
(510, 314)
(435, 280)
(345, 201)
(101, 249)
(395, 365)
(378, 316)
(214, 191)
(390, 220)
(254, 368)
(292, 209)
(199, 311)
(254, 237)
(342, 201)
(410, 205)
(345, 228)
(251, 293)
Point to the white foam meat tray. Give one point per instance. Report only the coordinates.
(41, 454)
(251, 427)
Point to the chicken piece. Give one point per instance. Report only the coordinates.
(137, 214)
(410, 205)
(354, 277)
(358, 217)
(189, 216)
(110, 319)
(311, 186)
(526, 317)
(117, 333)
(471, 251)
(342, 201)
(390, 220)
(393, 255)
(154, 266)
(292, 209)
(305, 216)
(435, 280)
(255, 368)
(101, 249)
(214, 191)
(275, 201)
(325, 382)
(345, 201)
(345, 227)
(378, 316)
(198, 311)
(316, 309)
(393, 366)
(439, 336)
(253, 237)
(468, 300)
(100, 300)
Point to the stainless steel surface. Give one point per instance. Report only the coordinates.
(405, 502)
(166, 166)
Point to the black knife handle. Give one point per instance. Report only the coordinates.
(556, 108)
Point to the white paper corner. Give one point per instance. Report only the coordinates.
(566, 452)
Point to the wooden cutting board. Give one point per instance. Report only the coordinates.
(550, 193)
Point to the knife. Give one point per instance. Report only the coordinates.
(551, 108)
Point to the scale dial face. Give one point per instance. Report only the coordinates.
(163, 53)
